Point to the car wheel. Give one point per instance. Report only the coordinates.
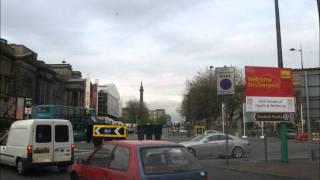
(237, 152)
(74, 176)
(62, 168)
(21, 169)
(192, 151)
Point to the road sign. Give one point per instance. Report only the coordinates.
(225, 80)
(28, 102)
(116, 131)
(272, 116)
(28, 106)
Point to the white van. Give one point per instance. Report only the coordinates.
(38, 142)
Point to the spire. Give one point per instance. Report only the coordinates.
(141, 87)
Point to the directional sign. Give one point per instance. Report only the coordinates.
(272, 117)
(116, 131)
(225, 80)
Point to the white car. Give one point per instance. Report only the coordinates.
(38, 142)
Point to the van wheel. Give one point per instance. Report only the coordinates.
(74, 176)
(63, 168)
(21, 169)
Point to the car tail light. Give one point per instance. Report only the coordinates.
(29, 149)
(29, 152)
(72, 148)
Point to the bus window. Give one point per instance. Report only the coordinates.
(43, 109)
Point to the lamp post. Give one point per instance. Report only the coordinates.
(306, 88)
(210, 98)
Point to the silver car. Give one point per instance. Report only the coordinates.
(214, 145)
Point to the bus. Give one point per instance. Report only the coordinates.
(78, 116)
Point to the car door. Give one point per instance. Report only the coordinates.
(119, 165)
(206, 146)
(62, 142)
(96, 166)
(3, 149)
(212, 145)
(42, 142)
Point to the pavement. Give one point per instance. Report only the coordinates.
(295, 169)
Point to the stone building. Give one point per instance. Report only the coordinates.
(18, 75)
(22, 75)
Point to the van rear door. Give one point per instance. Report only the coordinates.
(42, 142)
(62, 141)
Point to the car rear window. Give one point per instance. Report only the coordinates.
(61, 133)
(163, 160)
(43, 133)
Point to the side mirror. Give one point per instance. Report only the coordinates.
(205, 141)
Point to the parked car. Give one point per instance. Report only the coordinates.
(38, 142)
(214, 145)
(137, 160)
(211, 131)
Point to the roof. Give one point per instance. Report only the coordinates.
(144, 143)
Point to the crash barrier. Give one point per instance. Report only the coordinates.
(304, 136)
(149, 132)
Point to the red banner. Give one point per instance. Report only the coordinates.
(269, 81)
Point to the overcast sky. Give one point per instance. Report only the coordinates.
(160, 42)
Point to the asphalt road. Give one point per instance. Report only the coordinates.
(296, 150)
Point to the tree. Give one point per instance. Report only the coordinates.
(199, 89)
(133, 112)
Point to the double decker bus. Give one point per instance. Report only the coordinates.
(78, 116)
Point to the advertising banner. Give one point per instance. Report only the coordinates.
(20, 108)
(269, 89)
(269, 81)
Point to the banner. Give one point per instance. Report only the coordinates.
(20, 108)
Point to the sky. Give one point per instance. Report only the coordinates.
(162, 43)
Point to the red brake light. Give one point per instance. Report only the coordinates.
(29, 149)
(72, 147)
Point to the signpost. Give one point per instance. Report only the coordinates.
(225, 86)
(112, 131)
(270, 95)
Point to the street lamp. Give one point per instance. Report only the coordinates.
(210, 97)
(307, 98)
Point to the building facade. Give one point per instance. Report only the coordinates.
(313, 79)
(109, 101)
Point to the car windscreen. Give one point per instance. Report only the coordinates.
(166, 160)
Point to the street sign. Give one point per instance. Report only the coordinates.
(272, 117)
(28, 106)
(225, 80)
(28, 102)
(116, 131)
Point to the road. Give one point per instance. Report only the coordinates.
(296, 150)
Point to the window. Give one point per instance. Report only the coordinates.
(4, 140)
(44, 109)
(222, 137)
(213, 138)
(102, 157)
(120, 159)
(61, 133)
(43, 133)
(163, 160)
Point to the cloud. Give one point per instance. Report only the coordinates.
(161, 43)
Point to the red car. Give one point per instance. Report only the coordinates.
(138, 160)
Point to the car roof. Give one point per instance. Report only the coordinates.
(141, 143)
